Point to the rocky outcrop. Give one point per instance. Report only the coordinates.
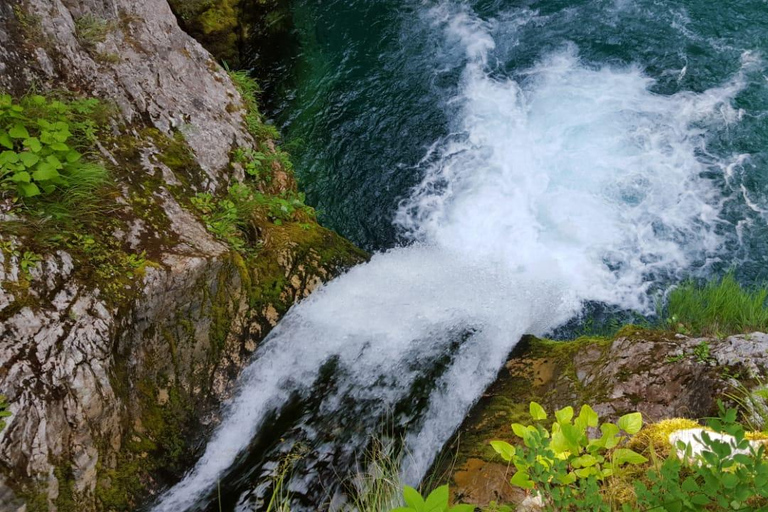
(658, 374)
(114, 370)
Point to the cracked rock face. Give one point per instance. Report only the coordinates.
(110, 398)
(658, 374)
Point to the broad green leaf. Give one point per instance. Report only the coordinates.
(585, 461)
(18, 131)
(34, 145)
(506, 450)
(73, 156)
(610, 432)
(55, 162)
(413, 499)
(537, 412)
(28, 189)
(9, 157)
(730, 480)
(567, 479)
(700, 499)
(21, 177)
(437, 501)
(626, 456)
(520, 479)
(585, 472)
(631, 423)
(559, 444)
(45, 172)
(587, 417)
(59, 146)
(520, 430)
(61, 136)
(29, 159)
(462, 508)
(5, 140)
(673, 506)
(690, 485)
(402, 509)
(573, 436)
(564, 415)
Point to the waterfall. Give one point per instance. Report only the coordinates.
(566, 183)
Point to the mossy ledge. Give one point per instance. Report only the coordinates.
(130, 318)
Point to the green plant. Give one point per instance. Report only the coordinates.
(437, 501)
(726, 474)
(39, 150)
(378, 488)
(4, 412)
(228, 218)
(249, 90)
(702, 352)
(28, 261)
(720, 307)
(563, 466)
(92, 30)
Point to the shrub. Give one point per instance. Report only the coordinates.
(39, 142)
(569, 471)
(563, 466)
(725, 475)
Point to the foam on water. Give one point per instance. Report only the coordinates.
(570, 183)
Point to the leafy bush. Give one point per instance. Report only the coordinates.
(437, 501)
(720, 307)
(569, 471)
(39, 141)
(564, 467)
(725, 475)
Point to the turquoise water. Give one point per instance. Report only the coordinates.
(369, 86)
(513, 165)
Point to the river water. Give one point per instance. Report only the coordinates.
(509, 162)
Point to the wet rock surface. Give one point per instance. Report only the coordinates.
(661, 375)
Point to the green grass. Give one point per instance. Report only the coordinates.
(718, 308)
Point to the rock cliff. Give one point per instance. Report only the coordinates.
(121, 335)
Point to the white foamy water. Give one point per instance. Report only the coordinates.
(573, 183)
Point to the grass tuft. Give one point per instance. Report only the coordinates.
(718, 308)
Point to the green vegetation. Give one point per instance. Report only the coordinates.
(249, 89)
(40, 138)
(92, 30)
(565, 467)
(718, 308)
(4, 412)
(437, 501)
(570, 470)
(231, 217)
